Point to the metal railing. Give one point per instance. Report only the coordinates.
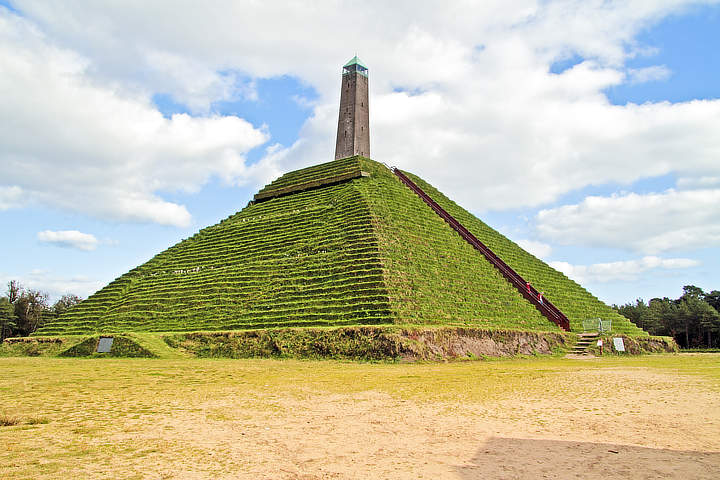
(545, 306)
(597, 325)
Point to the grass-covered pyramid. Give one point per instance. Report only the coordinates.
(342, 243)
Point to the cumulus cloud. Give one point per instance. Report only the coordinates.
(193, 83)
(71, 142)
(621, 271)
(539, 249)
(461, 94)
(69, 239)
(55, 285)
(650, 223)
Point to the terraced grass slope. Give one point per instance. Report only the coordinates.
(311, 177)
(305, 259)
(324, 246)
(433, 275)
(571, 298)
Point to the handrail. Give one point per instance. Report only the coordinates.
(545, 306)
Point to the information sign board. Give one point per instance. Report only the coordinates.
(105, 344)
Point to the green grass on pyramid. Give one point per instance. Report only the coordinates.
(336, 244)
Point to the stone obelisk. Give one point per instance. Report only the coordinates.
(353, 133)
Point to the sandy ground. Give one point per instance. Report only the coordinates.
(616, 421)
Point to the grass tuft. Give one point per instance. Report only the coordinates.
(9, 421)
(12, 420)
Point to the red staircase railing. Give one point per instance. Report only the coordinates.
(528, 291)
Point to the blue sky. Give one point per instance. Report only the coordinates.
(125, 139)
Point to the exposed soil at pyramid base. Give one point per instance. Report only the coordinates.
(363, 343)
(372, 343)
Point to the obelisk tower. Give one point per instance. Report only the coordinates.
(353, 133)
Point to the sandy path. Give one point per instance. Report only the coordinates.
(632, 430)
(621, 422)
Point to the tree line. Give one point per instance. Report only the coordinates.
(693, 320)
(24, 310)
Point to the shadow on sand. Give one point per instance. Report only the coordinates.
(510, 458)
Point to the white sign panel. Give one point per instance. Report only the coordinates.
(618, 344)
(105, 344)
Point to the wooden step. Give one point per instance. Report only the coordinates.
(584, 341)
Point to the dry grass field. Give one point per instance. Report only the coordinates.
(640, 417)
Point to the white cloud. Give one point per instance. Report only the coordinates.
(192, 83)
(71, 142)
(648, 74)
(69, 239)
(652, 223)
(539, 249)
(698, 182)
(620, 271)
(461, 94)
(10, 197)
(55, 285)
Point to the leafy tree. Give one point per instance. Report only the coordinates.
(636, 313)
(691, 319)
(691, 291)
(699, 317)
(687, 316)
(29, 309)
(14, 290)
(664, 315)
(24, 310)
(713, 298)
(709, 324)
(65, 303)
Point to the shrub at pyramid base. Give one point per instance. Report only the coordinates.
(342, 243)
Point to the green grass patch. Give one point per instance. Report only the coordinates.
(123, 346)
(36, 346)
(636, 345)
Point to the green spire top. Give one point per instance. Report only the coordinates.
(355, 65)
(355, 61)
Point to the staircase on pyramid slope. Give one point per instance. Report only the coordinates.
(340, 243)
(550, 311)
(409, 229)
